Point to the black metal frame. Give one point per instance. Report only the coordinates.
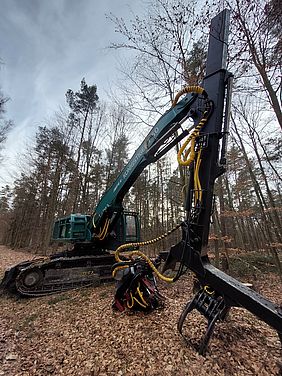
(212, 306)
(227, 292)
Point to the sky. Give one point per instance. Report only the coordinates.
(46, 48)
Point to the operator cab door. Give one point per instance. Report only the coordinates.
(126, 230)
(131, 227)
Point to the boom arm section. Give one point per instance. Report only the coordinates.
(159, 140)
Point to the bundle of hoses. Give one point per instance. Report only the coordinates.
(124, 264)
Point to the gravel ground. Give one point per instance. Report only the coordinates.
(77, 333)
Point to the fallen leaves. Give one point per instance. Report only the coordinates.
(77, 333)
(11, 356)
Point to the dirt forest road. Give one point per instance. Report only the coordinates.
(77, 333)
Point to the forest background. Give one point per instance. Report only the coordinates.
(79, 152)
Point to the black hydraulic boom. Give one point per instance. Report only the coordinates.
(219, 292)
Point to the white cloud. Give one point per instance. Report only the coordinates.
(47, 47)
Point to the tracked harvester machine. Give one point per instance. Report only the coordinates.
(95, 236)
(111, 228)
(88, 263)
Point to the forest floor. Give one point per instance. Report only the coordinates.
(77, 333)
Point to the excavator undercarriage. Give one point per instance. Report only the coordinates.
(60, 272)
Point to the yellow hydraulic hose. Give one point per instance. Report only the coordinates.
(134, 299)
(141, 295)
(188, 89)
(184, 160)
(142, 255)
(191, 150)
(117, 268)
(102, 234)
(197, 183)
(105, 230)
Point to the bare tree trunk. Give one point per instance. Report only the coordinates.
(267, 220)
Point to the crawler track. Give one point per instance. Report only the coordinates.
(50, 276)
